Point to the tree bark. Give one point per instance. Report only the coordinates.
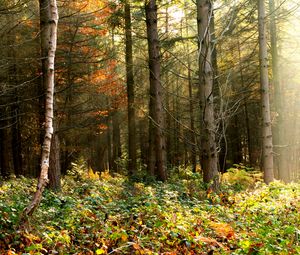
(209, 155)
(4, 153)
(192, 122)
(55, 163)
(130, 93)
(49, 20)
(280, 159)
(156, 93)
(116, 140)
(109, 147)
(193, 139)
(267, 147)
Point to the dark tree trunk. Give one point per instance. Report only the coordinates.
(156, 93)
(209, 155)
(116, 141)
(16, 145)
(193, 157)
(143, 141)
(4, 153)
(130, 93)
(109, 147)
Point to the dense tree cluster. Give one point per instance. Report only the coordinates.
(217, 80)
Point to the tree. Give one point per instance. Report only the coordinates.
(209, 155)
(157, 142)
(280, 159)
(130, 92)
(267, 144)
(48, 20)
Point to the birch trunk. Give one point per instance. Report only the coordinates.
(267, 144)
(49, 20)
(209, 155)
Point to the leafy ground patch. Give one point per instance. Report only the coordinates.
(110, 215)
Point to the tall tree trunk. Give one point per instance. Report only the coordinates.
(209, 155)
(267, 147)
(193, 140)
(48, 19)
(156, 94)
(169, 144)
(280, 159)
(130, 93)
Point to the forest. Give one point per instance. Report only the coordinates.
(149, 127)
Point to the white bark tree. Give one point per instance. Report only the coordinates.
(48, 20)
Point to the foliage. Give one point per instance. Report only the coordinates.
(112, 215)
(241, 176)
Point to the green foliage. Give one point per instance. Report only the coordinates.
(115, 215)
(241, 177)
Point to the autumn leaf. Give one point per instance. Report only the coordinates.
(223, 230)
(100, 251)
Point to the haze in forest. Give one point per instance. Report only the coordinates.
(149, 127)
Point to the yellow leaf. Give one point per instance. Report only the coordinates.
(100, 251)
(124, 237)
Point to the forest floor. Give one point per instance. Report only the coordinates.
(111, 215)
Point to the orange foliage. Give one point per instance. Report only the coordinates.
(103, 126)
(223, 230)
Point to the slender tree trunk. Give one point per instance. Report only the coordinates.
(192, 122)
(17, 143)
(109, 147)
(55, 163)
(249, 141)
(176, 135)
(247, 123)
(156, 92)
(193, 140)
(280, 159)
(116, 140)
(144, 146)
(165, 77)
(267, 147)
(130, 93)
(48, 19)
(209, 155)
(151, 162)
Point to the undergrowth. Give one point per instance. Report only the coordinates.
(112, 215)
